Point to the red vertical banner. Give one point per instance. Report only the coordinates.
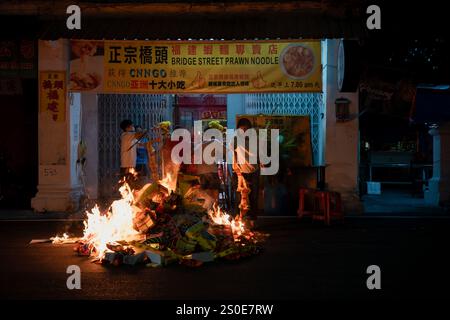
(52, 94)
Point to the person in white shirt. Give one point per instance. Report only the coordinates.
(128, 149)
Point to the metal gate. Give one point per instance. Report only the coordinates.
(310, 104)
(146, 110)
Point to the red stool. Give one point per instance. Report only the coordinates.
(334, 207)
(321, 201)
(304, 194)
(326, 205)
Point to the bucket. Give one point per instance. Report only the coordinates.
(373, 187)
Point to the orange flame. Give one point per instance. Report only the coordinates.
(58, 239)
(218, 216)
(133, 172)
(169, 183)
(115, 225)
(130, 171)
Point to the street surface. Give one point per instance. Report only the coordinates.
(301, 260)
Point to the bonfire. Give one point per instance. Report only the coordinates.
(161, 223)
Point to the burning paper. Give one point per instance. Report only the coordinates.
(115, 225)
(153, 217)
(219, 217)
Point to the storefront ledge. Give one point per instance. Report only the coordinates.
(56, 199)
(352, 204)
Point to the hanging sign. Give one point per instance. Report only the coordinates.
(52, 93)
(195, 67)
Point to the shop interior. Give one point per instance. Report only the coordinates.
(278, 194)
(396, 156)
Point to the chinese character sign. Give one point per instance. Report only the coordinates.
(18, 58)
(197, 67)
(52, 94)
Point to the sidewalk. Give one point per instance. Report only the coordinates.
(394, 202)
(391, 203)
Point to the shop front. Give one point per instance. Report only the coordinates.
(87, 87)
(200, 107)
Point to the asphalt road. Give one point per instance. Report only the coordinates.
(301, 260)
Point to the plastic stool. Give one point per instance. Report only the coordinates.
(321, 212)
(302, 210)
(334, 207)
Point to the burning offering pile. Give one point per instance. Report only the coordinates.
(163, 223)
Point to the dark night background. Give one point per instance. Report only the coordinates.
(412, 47)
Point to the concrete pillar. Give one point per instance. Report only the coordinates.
(341, 138)
(59, 187)
(89, 134)
(439, 185)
